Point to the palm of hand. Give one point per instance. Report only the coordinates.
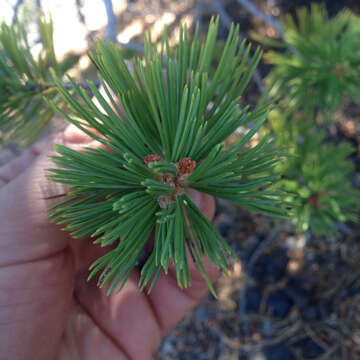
(47, 308)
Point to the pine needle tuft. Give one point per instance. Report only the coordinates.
(164, 130)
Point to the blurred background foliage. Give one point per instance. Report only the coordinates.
(295, 292)
(321, 65)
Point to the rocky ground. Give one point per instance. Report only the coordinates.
(301, 299)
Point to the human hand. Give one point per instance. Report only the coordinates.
(47, 308)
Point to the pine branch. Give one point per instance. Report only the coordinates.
(320, 67)
(316, 177)
(161, 141)
(25, 82)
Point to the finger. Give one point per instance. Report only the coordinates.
(15, 167)
(74, 135)
(34, 298)
(26, 234)
(133, 312)
(71, 135)
(84, 339)
(127, 317)
(118, 109)
(36, 266)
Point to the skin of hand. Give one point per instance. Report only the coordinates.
(48, 310)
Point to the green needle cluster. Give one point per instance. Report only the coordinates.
(321, 65)
(317, 180)
(25, 81)
(163, 125)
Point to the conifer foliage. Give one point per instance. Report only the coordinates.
(321, 64)
(163, 132)
(25, 81)
(316, 177)
(312, 78)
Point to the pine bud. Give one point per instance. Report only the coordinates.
(186, 166)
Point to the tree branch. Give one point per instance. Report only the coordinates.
(267, 18)
(111, 29)
(79, 12)
(111, 25)
(82, 19)
(16, 10)
(131, 46)
(38, 5)
(68, 86)
(198, 13)
(224, 16)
